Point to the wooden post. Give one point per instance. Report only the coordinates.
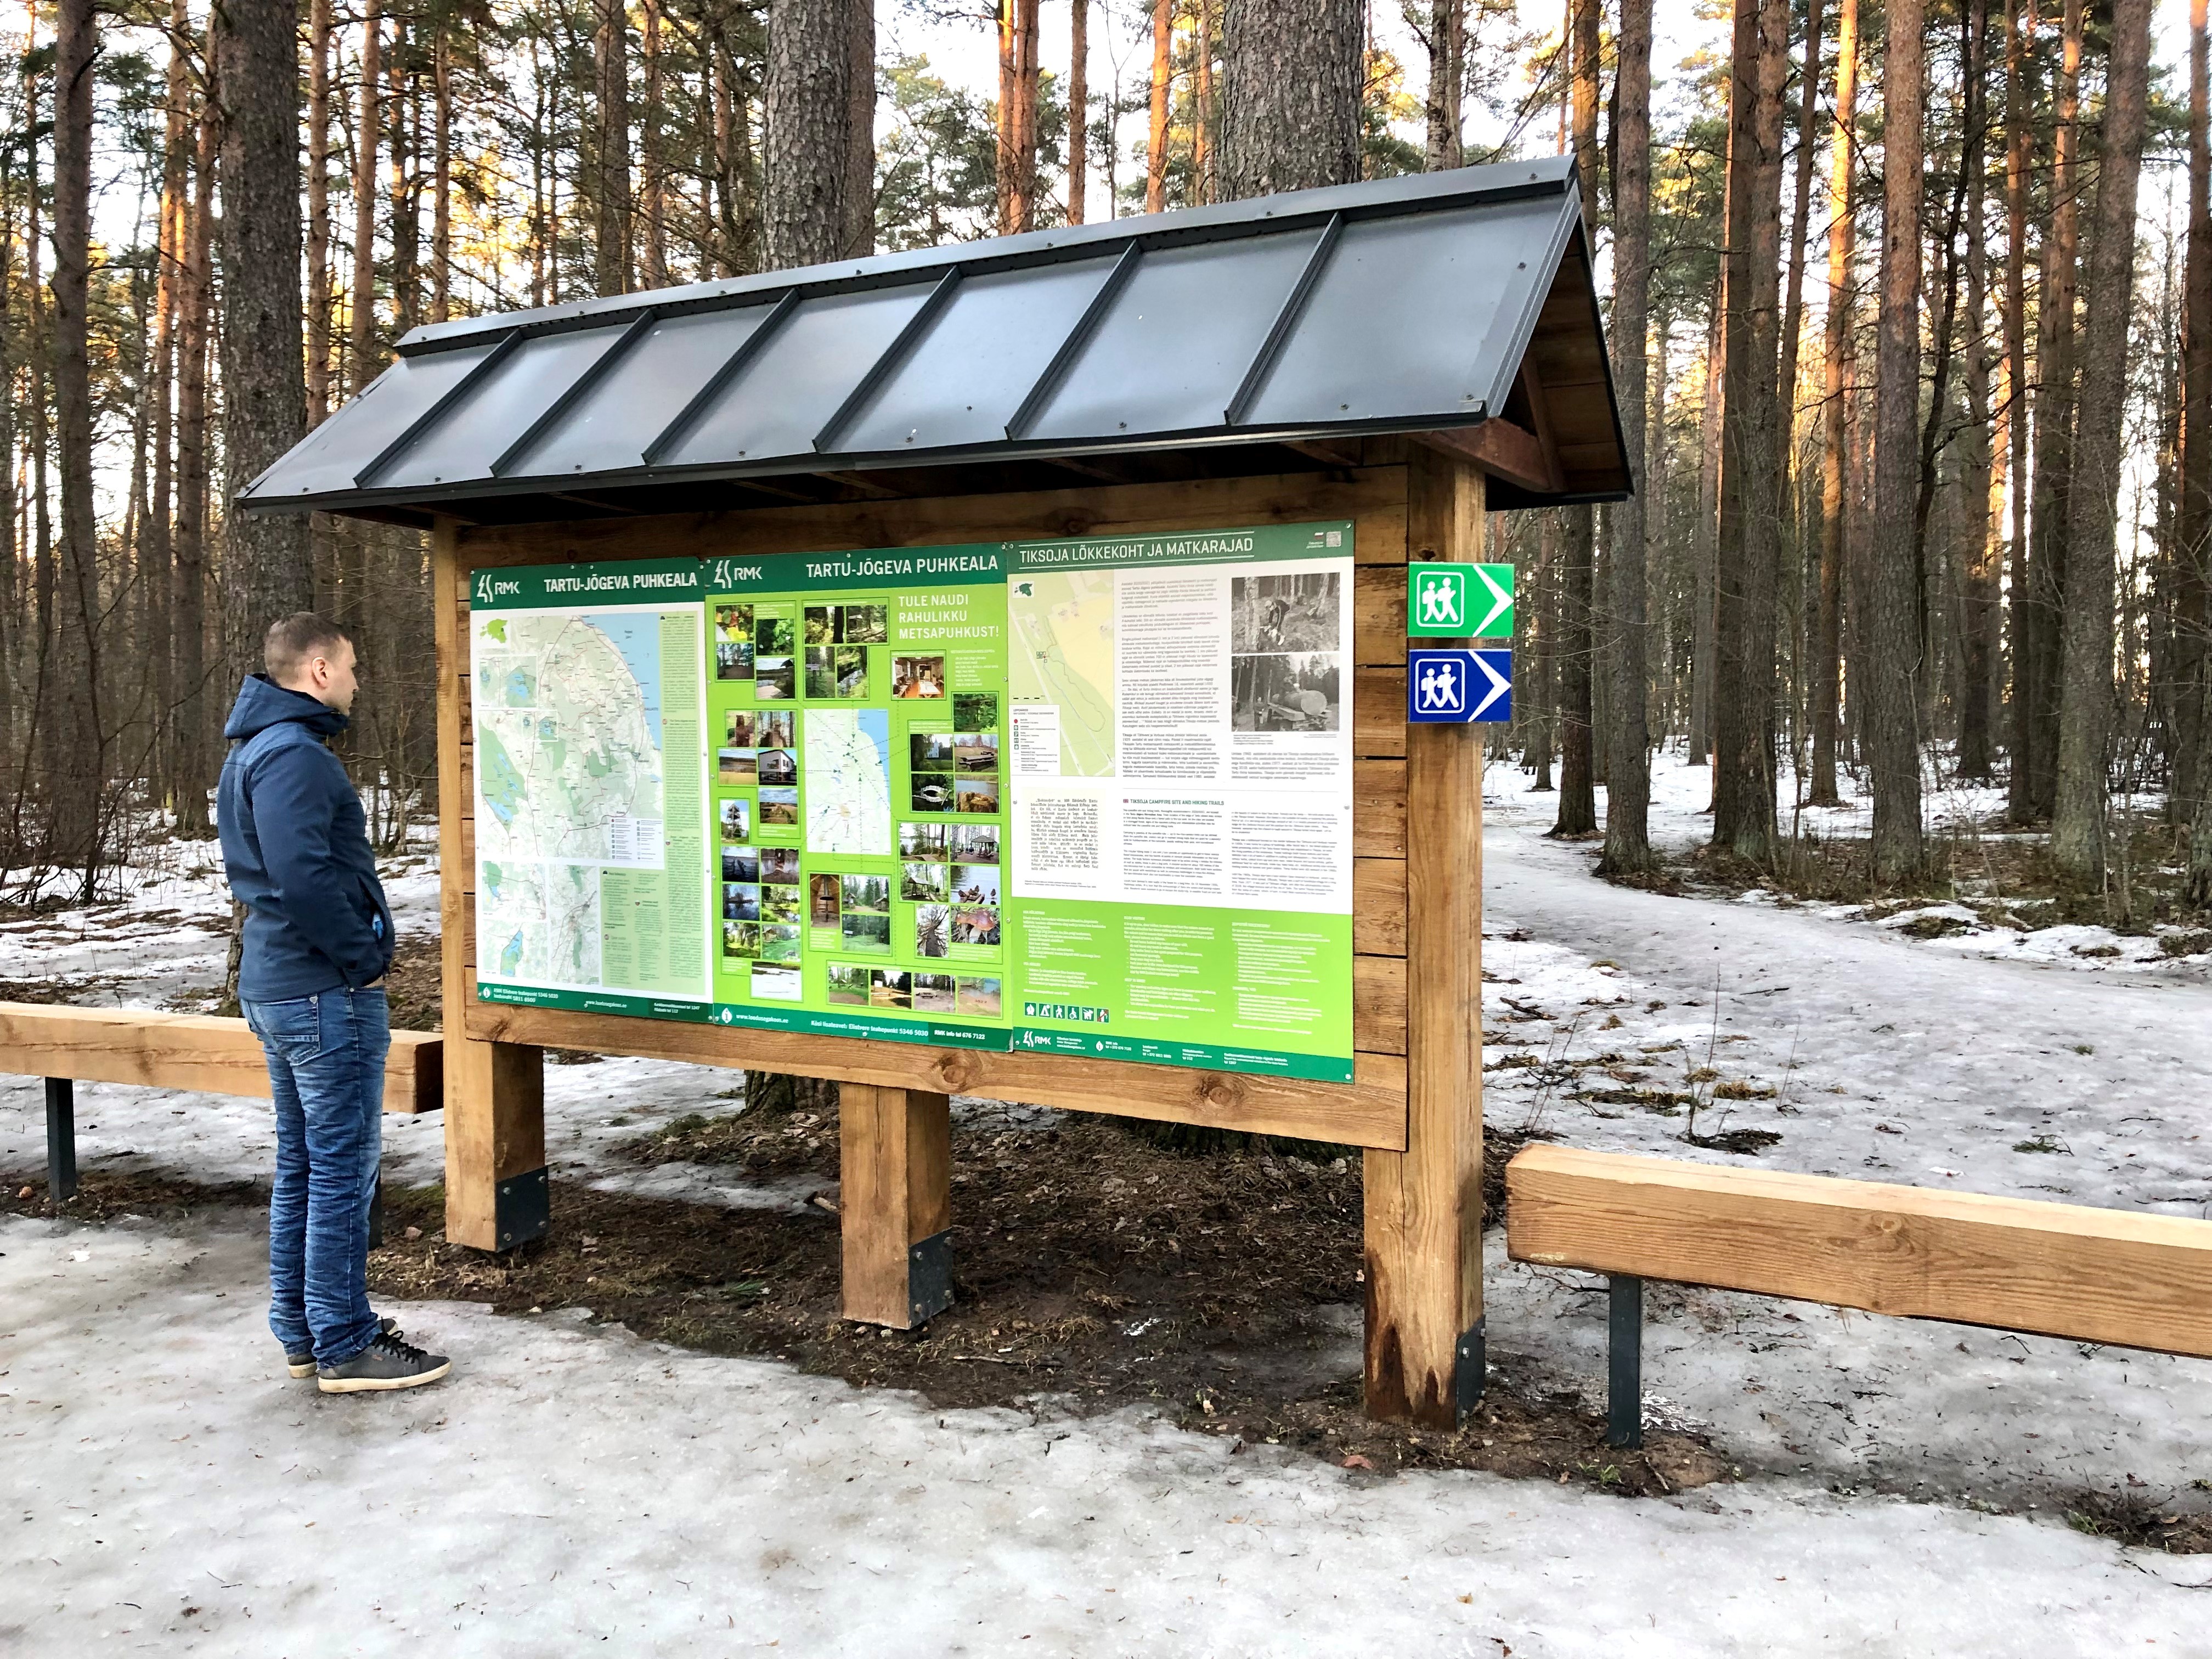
(495, 1178)
(1424, 1206)
(895, 1155)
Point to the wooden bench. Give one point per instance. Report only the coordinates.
(2116, 1277)
(204, 1052)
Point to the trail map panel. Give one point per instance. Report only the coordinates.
(1180, 769)
(591, 866)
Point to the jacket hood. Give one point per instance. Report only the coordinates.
(262, 703)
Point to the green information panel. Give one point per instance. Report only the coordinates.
(1082, 797)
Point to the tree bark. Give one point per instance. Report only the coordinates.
(1577, 814)
(2019, 26)
(1703, 548)
(1290, 81)
(442, 181)
(1628, 769)
(318, 200)
(1893, 639)
(1748, 548)
(1447, 81)
(2035, 761)
(1156, 142)
(362, 302)
(1078, 106)
(2195, 505)
(1826, 679)
(75, 820)
(611, 229)
(861, 134)
(807, 125)
(2078, 826)
(188, 594)
(267, 569)
(1978, 595)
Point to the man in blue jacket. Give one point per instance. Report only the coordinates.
(317, 939)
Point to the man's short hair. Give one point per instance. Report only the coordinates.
(293, 641)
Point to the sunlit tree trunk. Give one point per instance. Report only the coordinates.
(1156, 142)
(807, 124)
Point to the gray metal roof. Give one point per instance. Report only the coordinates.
(1403, 305)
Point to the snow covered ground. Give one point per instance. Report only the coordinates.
(700, 1504)
(572, 1486)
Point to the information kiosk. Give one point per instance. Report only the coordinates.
(983, 671)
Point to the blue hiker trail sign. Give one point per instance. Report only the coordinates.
(1458, 685)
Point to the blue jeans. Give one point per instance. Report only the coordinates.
(326, 1071)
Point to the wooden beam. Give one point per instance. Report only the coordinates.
(205, 1053)
(1423, 1205)
(861, 482)
(1509, 452)
(1369, 1111)
(895, 1156)
(496, 1184)
(2113, 1276)
(1374, 496)
(1330, 454)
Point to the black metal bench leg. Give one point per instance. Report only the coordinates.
(61, 1139)
(376, 1213)
(1623, 1399)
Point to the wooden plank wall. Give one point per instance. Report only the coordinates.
(1369, 1112)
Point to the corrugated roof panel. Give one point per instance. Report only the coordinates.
(1412, 317)
(967, 376)
(471, 434)
(327, 458)
(609, 430)
(1173, 350)
(801, 378)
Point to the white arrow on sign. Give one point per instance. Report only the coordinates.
(1500, 684)
(1500, 600)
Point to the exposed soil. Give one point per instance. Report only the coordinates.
(1092, 1272)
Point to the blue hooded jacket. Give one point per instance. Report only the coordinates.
(295, 845)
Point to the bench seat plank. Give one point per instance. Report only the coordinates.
(203, 1052)
(2110, 1276)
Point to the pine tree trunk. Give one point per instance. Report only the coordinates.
(2196, 506)
(612, 265)
(2020, 27)
(75, 824)
(1447, 81)
(652, 142)
(442, 181)
(319, 202)
(860, 145)
(1078, 107)
(806, 124)
(1628, 771)
(1703, 546)
(1577, 814)
(267, 569)
(1827, 678)
(362, 301)
(2078, 823)
(1155, 144)
(1748, 546)
(1290, 82)
(1893, 638)
(1978, 594)
(195, 696)
(2035, 770)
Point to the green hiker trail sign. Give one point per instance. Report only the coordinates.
(1460, 601)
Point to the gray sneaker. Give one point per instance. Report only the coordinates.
(386, 1363)
(302, 1363)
